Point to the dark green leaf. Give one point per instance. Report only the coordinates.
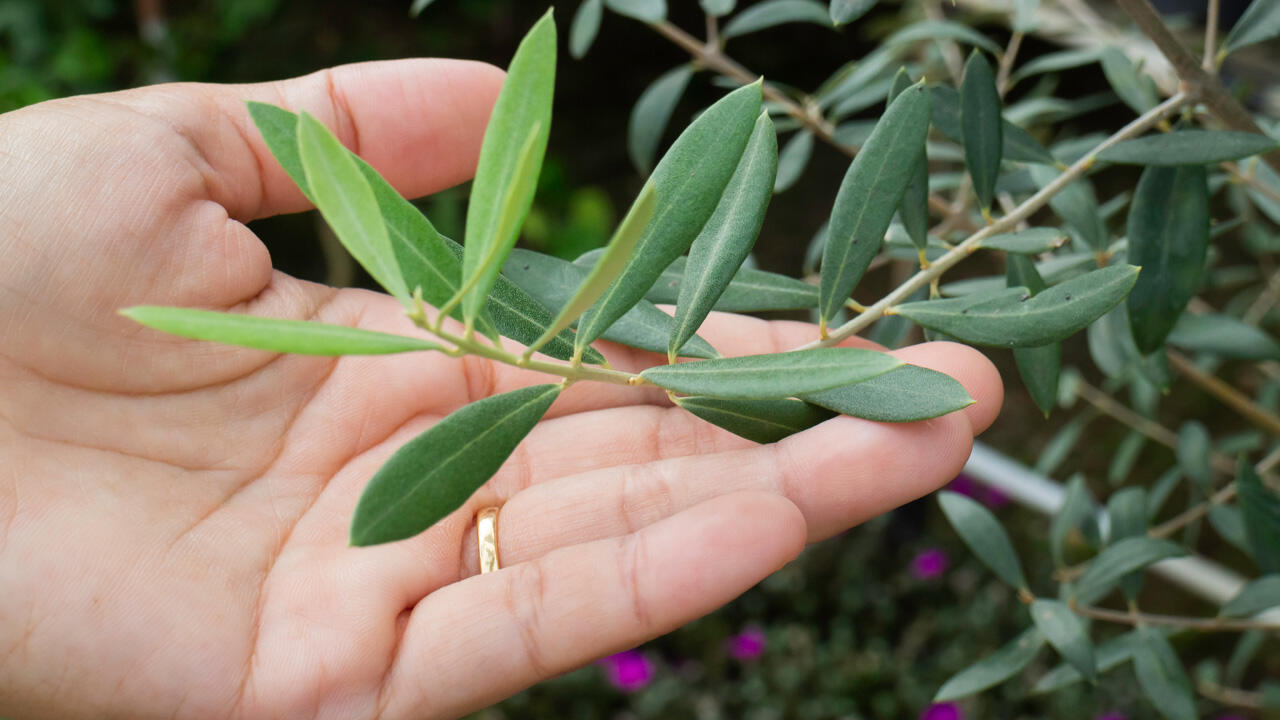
(791, 162)
(435, 473)
(1228, 522)
(1223, 335)
(649, 11)
(1260, 507)
(1040, 366)
(1260, 594)
(1135, 89)
(689, 181)
(1193, 453)
(869, 194)
(907, 394)
(846, 11)
(1109, 655)
(1168, 238)
(1161, 676)
(775, 12)
(1061, 445)
(1077, 205)
(1013, 318)
(586, 25)
(718, 8)
(981, 125)
(1031, 241)
(1127, 510)
(652, 113)
(776, 375)
(1126, 457)
(726, 239)
(941, 30)
(283, 336)
(1066, 634)
(510, 162)
(913, 211)
(1120, 559)
(1260, 22)
(763, 421)
(1078, 512)
(994, 668)
(749, 291)
(1017, 145)
(1188, 147)
(983, 534)
(1056, 61)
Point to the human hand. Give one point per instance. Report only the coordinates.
(174, 514)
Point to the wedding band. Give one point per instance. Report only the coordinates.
(487, 535)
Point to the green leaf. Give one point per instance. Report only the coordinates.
(726, 239)
(1137, 91)
(1077, 205)
(994, 668)
(1161, 677)
(846, 11)
(907, 394)
(1127, 510)
(1193, 453)
(510, 161)
(1113, 564)
(1013, 318)
(1168, 237)
(791, 162)
(552, 282)
(1055, 62)
(585, 27)
(1039, 367)
(1188, 147)
(913, 211)
(1260, 22)
(776, 375)
(1031, 241)
(981, 124)
(1228, 522)
(274, 334)
(1109, 655)
(750, 290)
(649, 11)
(1261, 510)
(775, 12)
(1260, 594)
(1017, 144)
(689, 181)
(652, 113)
(1066, 634)
(1223, 335)
(869, 194)
(983, 534)
(435, 473)
(718, 8)
(1024, 16)
(763, 421)
(941, 30)
(346, 201)
(1076, 515)
(1126, 457)
(418, 6)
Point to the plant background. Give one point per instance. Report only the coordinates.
(866, 625)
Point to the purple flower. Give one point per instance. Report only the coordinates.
(942, 711)
(1113, 715)
(628, 671)
(929, 564)
(988, 496)
(746, 645)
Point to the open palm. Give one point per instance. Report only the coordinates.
(174, 514)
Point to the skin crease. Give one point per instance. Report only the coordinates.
(174, 514)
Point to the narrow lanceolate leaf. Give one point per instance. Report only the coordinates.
(1111, 565)
(510, 161)
(1077, 205)
(1031, 241)
(1223, 335)
(1136, 90)
(764, 421)
(792, 160)
(718, 8)
(913, 211)
(1188, 147)
(1074, 518)
(586, 25)
(552, 282)
(1168, 237)
(689, 181)
(726, 239)
(994, 668)
(775, 12)
(649, 11)
(1260, 508)
(652, 113)
(908, 394)
(983, 534)
(1260, 22)
(777, 375)
(274, 334)
(1193, 452)
(346, 201)
(1260, 594)
(1161, 677)
(981, 123)
(1013, 318)
(846, 11)
(1109, 655)
(868, 196)
(435, 473)
(1064, 631)
(941, 30)
(750, 290)
(1038, 366)
(615, 256)
(1018, 145)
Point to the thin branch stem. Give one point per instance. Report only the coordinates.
(1209, 64)
(1229, 396)
(1193, 513)
(1029, 206)
(1006, 62)
(1235, 697)
(1251, 180)
(1178, 621)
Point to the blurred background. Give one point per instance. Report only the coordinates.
(866, 625)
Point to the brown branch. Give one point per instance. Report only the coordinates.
(1217, 624)
(1229, 396)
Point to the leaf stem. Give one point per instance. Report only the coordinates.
(1217, 624)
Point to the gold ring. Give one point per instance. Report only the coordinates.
(487, 535)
